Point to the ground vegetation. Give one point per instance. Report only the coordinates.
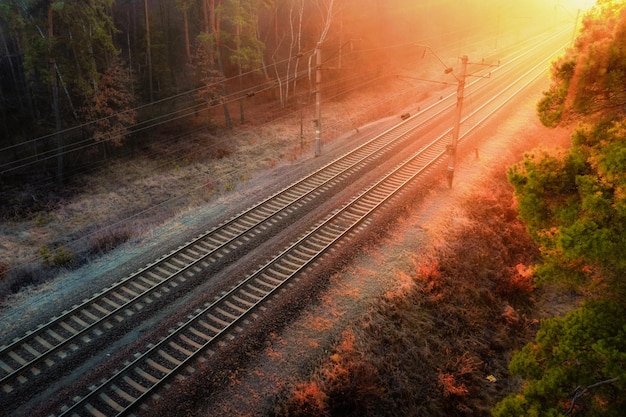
(444, 295)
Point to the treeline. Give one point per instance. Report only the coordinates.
(80, 77)
(574, 204)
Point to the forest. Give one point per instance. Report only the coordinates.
(81, 80)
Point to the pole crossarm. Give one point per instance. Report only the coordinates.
(483, 64)
(448, 69)
(478, 75)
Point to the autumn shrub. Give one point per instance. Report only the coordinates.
(219, 152)
(308, 400)
(451, 386)
(105, 240)
(519, 283)
(294, 153)
(52, 261)
(19, 278)
(63, 256)
(58, 257)
(347, 387)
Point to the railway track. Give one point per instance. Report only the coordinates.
(25, 358)
(175, 354)
(42, 349)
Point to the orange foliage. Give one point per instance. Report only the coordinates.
(428, 345)
(347, 342)
(319, 323)
(450, 386)
(510, 316)
(309, 400)
(517, 284)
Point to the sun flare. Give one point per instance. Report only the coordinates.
(582, 5)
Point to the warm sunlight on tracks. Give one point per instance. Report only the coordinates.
(27, 361)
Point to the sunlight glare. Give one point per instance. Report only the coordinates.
(574, 5)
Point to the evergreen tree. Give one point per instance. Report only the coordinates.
(590, 79)
(575, 206)
(247, 49)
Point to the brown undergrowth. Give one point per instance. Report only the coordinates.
(439, 343)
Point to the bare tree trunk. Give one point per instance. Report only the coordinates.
(149, 51)
(329, 15)
(291, 46)
(205, 13)
(216, 27)
(214, 30)
(14, 77)
(130, 51)
(299, 52)
(257, 33)
(54, 85)
(5, 127)
(340, 39)
(227, 120)
(278, 77)
(186, 23)
(239, 64)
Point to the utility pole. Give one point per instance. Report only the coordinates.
(457, 120)
(318, 99)
(451, 148)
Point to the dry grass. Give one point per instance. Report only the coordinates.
(429, 345)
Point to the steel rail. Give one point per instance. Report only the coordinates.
(139, 379)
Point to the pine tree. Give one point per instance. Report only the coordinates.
(574, 204)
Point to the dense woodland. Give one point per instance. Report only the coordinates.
(80, 79)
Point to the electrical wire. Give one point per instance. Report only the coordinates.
(35, 159)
